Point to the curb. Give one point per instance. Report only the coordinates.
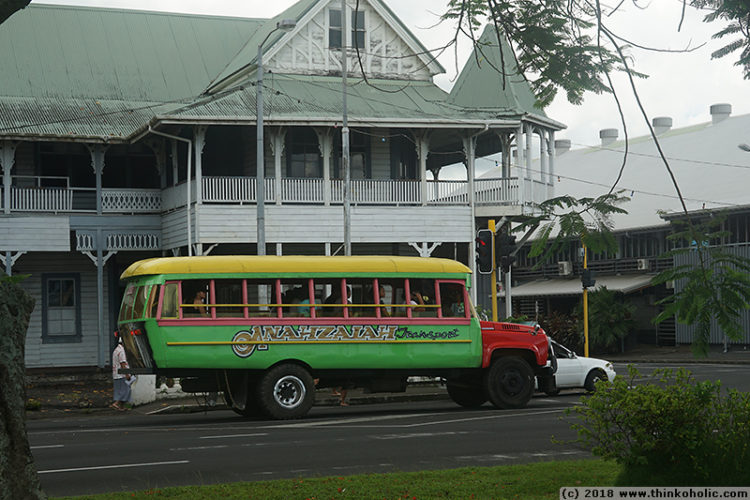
(325, 401)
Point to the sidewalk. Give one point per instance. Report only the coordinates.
(90, 393)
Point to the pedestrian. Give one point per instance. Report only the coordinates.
(120, 381)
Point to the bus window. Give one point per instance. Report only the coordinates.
(261, 298)
(139, 304)
(228, 297)
(396, 296)
(424, 296)
(328, 292)
(363, 295)
(194, 294)
(153, 302)
(452, 300)
(169, 306)
(126, 309)
(295, 292)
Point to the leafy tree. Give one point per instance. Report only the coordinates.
(611, 318)
(567, 45)
(711, 282)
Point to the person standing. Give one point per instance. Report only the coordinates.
(121, 387)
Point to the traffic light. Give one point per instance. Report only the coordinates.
(484, 251)
(505, 245)
(588, 278)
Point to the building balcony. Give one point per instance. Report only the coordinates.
(38, 196)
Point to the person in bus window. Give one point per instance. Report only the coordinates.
(199, 301)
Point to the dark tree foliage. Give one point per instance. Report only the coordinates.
(10, 7)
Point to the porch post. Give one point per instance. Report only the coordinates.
(199, 141)
(529, 176)
(551, 166)
(470, 144)
(97, 163)
(175, 163)
(7, 159)
(103, 337)
(520, 153)
(325, 144)
(423, 150)
(543, 155)
(278, 136)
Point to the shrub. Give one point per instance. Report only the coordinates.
(610, 319)
(671, 431)
(563, 328)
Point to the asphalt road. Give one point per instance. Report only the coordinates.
(125, 452)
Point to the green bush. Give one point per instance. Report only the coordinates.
(610, 319)
(564, 329)
(670, 431)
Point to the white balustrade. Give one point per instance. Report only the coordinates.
(41, 199)
(500, 191)
(133, 241)
(302, 190)
(131, 200)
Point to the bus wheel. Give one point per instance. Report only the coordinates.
(240, 397)
(286, 391)
(468, 396)
(509, 382)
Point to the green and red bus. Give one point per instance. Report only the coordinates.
(268, 330)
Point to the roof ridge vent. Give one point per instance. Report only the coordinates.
(661, 124)
(562, 146)
(720, 112)
(608, 135)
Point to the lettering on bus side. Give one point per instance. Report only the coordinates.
(246, 342)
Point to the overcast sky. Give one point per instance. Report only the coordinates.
(681, 86)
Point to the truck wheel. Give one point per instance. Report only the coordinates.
(286, 391)
(592, 378)
(509, 382)
(467, 396)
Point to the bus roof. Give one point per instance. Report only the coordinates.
(296, 264)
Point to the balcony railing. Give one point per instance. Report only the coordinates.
(54, 195)
(368, 191)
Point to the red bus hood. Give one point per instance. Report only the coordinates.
(513, 336)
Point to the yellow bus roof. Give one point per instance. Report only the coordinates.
(297, 264)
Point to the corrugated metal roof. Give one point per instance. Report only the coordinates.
(81, 73)
(711, 170)
(626, 284)
(480, 84)
(63, 52)
(302, 97)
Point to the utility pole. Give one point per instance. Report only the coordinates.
(345, 135)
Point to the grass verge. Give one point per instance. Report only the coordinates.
(541, 480)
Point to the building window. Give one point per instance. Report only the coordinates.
(303, 154)
(61, 308)
(334, 29)
(358, 29)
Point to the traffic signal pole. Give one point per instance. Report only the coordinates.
(493, 275)
(585, 308)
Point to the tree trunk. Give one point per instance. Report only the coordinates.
(18, 478)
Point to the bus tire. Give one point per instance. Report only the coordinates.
(466, 395)
(509, 382)
(245, 405)
(286, 391)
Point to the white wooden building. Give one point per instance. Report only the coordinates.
(131, 134)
